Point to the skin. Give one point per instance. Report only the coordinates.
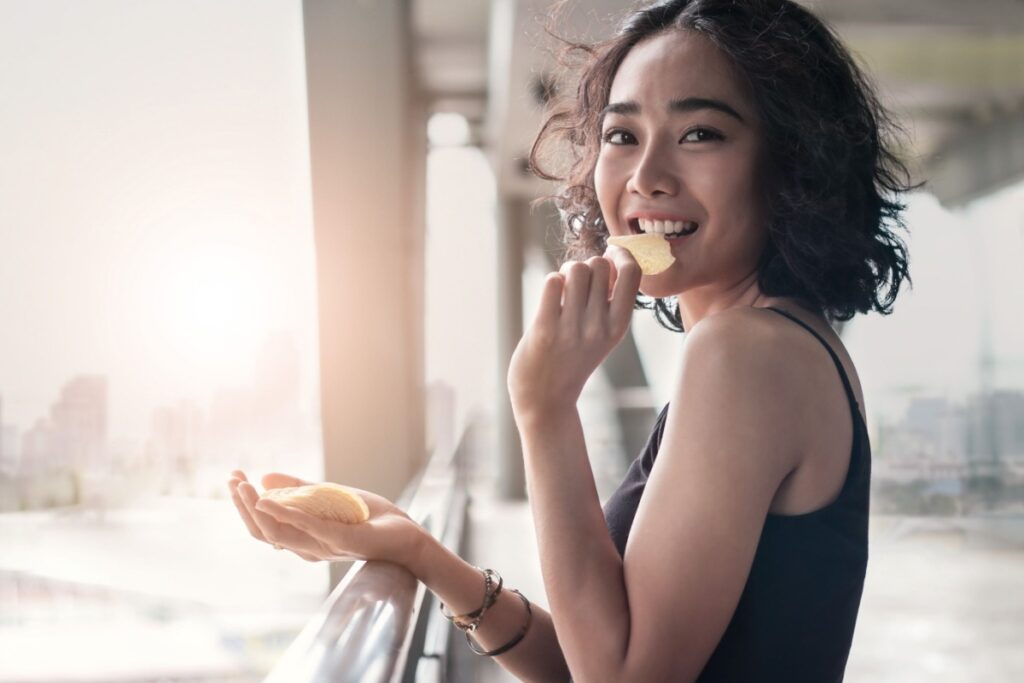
(703, 165)
(765, 419)
(381, 537)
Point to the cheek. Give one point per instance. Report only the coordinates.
(730, 192)
(601, 179)
(604, 188)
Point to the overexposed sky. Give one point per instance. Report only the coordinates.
(155, 210)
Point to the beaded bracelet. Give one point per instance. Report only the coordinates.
(510, 644)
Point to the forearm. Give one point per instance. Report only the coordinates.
(582, 570)
(457, 584)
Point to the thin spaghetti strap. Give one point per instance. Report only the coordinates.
(839, 365)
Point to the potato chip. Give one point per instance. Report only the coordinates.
(651, 250)
(328, 501)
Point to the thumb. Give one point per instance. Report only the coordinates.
(277, 480)
(622, 261)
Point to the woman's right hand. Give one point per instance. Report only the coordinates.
(389, 534)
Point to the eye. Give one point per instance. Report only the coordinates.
(617, 136)
(701, 135)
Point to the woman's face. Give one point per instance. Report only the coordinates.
(680, 142)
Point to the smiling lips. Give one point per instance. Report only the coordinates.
(669, 228)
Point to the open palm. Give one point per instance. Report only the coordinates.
(388, 534)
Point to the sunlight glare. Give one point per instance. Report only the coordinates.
(215, 305)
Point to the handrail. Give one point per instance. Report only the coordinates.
(375, 625)
(432, 665)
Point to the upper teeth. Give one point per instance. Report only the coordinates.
(664, 227)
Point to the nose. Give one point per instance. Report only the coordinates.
(653, 175)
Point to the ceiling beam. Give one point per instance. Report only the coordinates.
(980, 159)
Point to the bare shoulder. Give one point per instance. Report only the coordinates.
(755, 369)
(745, 335)
(777, 339)
(804, 356)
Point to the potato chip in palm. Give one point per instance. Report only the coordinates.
(328, 501)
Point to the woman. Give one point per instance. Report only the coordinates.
(745, 129)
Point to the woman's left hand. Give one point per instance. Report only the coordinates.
(389, 534)
(584, 312)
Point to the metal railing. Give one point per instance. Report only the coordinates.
(379, 624)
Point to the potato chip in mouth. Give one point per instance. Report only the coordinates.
(651, 250)
(329, 501)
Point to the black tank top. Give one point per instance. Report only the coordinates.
(795, 618)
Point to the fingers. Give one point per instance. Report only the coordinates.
(243, 510)
(313, 527)
(613, 274)
(589, 286)
(550, 307)
(577, 290)
(600, 271)
(283, 514)
(627, 284)
(271, 531)
(277, 480)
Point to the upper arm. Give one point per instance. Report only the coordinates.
(729, 441)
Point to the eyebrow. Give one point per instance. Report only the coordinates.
(683, 106)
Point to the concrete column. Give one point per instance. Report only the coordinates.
(513, 213)
(367, 153)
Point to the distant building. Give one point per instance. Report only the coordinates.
(996, 426)
(175, 436)
(944, 446)
(10, 453)
(40, 451)
(80, 421)
(74, 436)
(45, 476)
(941, 423)
(927, 445)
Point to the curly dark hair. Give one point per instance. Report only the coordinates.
(834, 177)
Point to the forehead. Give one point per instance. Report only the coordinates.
(677, 64)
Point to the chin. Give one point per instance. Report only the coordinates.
(650, 286)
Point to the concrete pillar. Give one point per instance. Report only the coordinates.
(513, 214)
(368, 153)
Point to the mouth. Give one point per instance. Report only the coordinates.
(670, 229)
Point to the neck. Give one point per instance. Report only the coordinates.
(697, 304)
